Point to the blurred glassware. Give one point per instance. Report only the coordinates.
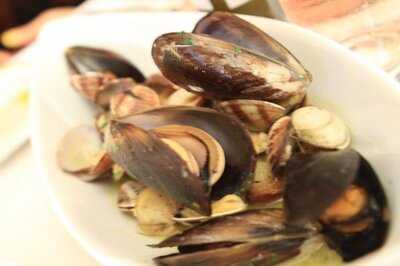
(368, 27)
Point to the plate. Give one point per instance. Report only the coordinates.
(367, 99)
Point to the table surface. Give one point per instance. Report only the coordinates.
(31, 234)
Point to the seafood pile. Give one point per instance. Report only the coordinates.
(221, 154)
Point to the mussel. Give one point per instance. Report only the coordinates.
(342, 191)
(237, 239)
(216, 69)
(136, 143)
(82, 59)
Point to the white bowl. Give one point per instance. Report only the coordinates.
(362, 95)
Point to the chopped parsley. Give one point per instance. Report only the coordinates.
(187, 41)
(237, 50)
(274, 259)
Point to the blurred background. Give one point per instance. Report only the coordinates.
(369, 27)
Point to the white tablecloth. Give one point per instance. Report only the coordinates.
(30, 232)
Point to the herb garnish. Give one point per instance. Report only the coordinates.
(237, 50)
(274, 259)
(187, 41)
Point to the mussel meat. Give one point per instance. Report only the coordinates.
(343, 192)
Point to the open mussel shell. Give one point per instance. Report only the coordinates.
(146, 157)
(253, 225)
(256, 115)
(82, 59)
(316, 181)
(354, 245)
(230, 28)
(80, 152)
(227, 131)
(264, 253)
(220, 70)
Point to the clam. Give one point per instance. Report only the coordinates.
(184, 97)
(82, 59)
(185, 155)
(227, 131)
(154, 212)
(320, 128)
(128, 195)
(137, 98)
(257, 115)
(342, 191)
(90, 84)
(260, 142)
(227, 205)
(80, 152)
(209, 153)
(279, 148)
(220, 70)
(162, 86)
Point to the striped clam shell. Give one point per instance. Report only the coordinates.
(255, 115)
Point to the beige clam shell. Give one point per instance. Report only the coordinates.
(80, 151)
(320, 128)
(153, 208)
(227, 205)
(256, 115)
(215, 153)
(185, 155)
(184, 97)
